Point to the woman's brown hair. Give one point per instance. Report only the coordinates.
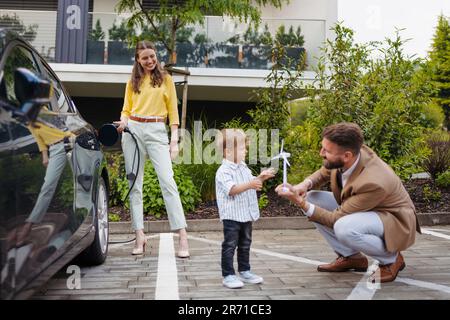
(138, 74)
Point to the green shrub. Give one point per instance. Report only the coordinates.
(432, 116)
(385, 95)
(438, 160)
(113, 217)
(431, 195)
(303, 142)
(97, 33)
(271, 111)
(116, 173)
(152, 195)
(204, 176)
(263, 201)
(443, 179)
(151, 192)
(298, 111)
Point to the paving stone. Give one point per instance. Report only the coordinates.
(129, 296)
(127, 277)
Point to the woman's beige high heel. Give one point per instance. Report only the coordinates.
(138, 251)
(183, 253)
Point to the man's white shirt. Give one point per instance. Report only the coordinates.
(345, 175)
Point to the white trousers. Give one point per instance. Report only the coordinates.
(353, 233)
(56, 164)
(153, 142)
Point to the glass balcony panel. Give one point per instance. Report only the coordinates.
(37, 27)
(217, 43)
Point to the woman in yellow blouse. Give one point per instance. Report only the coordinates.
(150, 98)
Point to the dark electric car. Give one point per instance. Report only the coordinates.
(53, 177)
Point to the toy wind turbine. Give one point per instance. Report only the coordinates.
(283, 155)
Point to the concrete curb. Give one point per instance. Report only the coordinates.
(264, 223)
(432, 219)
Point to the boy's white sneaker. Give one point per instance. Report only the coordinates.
(250, 277)
(232, 282)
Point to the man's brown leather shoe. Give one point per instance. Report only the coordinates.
(389, 272)
(342, 264)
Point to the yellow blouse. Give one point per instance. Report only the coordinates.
(152, 101)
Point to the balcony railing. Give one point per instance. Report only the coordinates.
(218, 43)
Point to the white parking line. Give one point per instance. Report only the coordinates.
(365, 290)
(268, 253)
(423, 284)
(167, 280)
(368, 294)
(436, 234)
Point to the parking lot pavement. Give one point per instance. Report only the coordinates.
(286, 259)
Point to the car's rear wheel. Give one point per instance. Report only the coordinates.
(96, 253)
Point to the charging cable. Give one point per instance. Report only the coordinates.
(131, 175)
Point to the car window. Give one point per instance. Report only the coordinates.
(19, 57)
(59, 100)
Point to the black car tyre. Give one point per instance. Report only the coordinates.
(96, 253)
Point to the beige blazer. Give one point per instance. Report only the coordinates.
(372, 186)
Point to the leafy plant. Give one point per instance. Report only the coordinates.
(202, 173)
(432, 116)
(116, 171)
(443, 179)
(431, 195)
(113, 217)
(152, 195)
(97, 33)
(153, 200)
(291, 38)
(303, 142)
(385, 94)
(263, 201)
(439, 159)
(272, 103)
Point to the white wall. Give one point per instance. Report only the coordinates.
(377, 19)
(316, 17)
(105, 5)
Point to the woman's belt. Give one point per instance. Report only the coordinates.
(152, 119)
(65, 140)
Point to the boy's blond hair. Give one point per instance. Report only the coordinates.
(230, 138)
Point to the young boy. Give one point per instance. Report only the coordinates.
(238, 207)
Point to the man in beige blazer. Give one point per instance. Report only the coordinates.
(368, 211)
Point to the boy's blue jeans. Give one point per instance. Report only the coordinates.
(236, 234)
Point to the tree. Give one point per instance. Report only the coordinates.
(378, 87)
(14, 23)
(171, 15)
(440, 66)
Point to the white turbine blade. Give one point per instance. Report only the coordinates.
(282, 143)
(285, 159)
(276, 157)
(287, 162)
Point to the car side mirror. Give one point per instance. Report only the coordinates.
(32, 92)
